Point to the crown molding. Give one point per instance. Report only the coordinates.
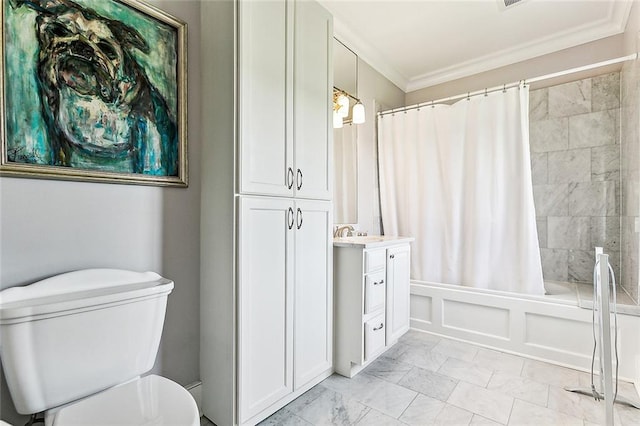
(613, 23)
(368, 53)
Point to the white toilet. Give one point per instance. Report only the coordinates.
(74, 346)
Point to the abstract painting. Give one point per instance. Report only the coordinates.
(93, 90)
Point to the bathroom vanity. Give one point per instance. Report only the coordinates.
(371, 289)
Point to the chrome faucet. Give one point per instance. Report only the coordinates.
(339, 231)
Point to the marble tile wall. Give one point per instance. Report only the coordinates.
(630, 176)
(575, 160)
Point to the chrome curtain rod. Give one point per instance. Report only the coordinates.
(631, 57)
(504, 87)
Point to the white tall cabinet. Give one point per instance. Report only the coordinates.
(283, 101)
(284, 295)
(266, 243)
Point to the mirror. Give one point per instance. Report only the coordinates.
(345, 158)
(345, 179)
(344, 67)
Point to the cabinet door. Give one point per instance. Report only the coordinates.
(313, 83)
(313, 290)
(265, 142)
(397, 292)
(374, 337)
(265, 294)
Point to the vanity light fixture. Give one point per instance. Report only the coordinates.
(341, 101)
(341, 108)
(343, 105)
(357, 114)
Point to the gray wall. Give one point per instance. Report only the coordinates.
(48, 227)
(575, 158)
(218, 225)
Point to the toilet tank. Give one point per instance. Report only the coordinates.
(75, 334)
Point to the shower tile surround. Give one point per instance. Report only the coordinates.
(630, 176)
(575, 160)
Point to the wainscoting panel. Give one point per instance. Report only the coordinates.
(576, 337)
(420, 308)
(464, 317)
(552, 330)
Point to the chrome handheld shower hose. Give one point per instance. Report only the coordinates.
(596, 281)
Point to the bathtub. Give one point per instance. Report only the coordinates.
(552, 328)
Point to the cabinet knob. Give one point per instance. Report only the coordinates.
(379, 282)
(290, 176)
(299, 179)
(392, 256)
(290, 218)
(380, 327)
(299, 218)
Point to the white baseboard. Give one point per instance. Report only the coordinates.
(195, 389)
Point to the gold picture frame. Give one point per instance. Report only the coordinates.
(93, 90)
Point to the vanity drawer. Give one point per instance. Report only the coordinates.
(374, 292)
(374, 336)
(374, 260)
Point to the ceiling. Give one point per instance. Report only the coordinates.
(421, 43)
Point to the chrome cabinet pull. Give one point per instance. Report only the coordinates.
(290, 218)
(380, 327)
(299, 218)
(299, 179)
(290, 178)
(379, 282)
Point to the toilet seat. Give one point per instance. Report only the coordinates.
(151, 400)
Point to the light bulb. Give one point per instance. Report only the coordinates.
(358, 113)
(343, 101)
(337, 120)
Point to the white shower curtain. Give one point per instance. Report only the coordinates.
(458, 179)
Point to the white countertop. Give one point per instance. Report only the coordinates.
(370, 241)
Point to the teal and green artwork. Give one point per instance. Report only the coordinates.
(93, 90)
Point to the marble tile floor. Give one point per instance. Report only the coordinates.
(428, 380)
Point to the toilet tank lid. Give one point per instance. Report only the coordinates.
(82, 284)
